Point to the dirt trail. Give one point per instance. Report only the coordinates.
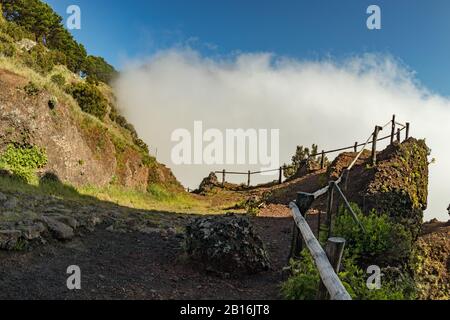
(137, 266)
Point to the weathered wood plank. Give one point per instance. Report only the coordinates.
(334, 250)
(327, 274)
(349, 207)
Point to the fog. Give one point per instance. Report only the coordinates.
(327, 102)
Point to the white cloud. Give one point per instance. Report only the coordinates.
(329, 103)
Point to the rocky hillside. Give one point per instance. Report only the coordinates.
(397, 186)
(433, 271)
(74, 121)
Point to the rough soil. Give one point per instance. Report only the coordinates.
(139, 266)
(433, 277)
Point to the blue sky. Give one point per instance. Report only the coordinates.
(415, 31)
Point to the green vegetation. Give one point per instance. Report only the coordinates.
(400, 185)
(40, 59)
(23, 161)
(431, 268)
(298, 159)
(51, 63)
(385, 244)
(157, 198)
(59, 80)
(90, 99)
(7, 47)
(98, 69)
(304, 282)
(31, 89)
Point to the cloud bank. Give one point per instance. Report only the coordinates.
(330, 103)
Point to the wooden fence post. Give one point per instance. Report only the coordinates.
(304, 202)
(407, 131)
(334, 250)
(322, 160)
(297, 243)
(345, 175)
(329, 207)
(398, 135)
(280, 178)
(393, 129)
(249, 175)
(319, 222)
(223, 178)
(356, 147)
(374, 144)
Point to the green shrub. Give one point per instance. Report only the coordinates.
(304, 282)
(32, 89)
(16, 32)
(90, 99)
(23, 161)
(7, 47)
(384, 242)
(298, 159)
(159, 193)
(393, 286)
(59, 80)
(305, 279)
(40, 59)
(141, 145)
(97, 69)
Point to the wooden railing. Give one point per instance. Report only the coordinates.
(335, 249)
(250, 173)
(328, 261)
(396, 130)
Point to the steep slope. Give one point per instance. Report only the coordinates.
(433, 272)
(81, 149)
(397, 185)
(53, 96)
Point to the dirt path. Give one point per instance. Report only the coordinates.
(138, 266)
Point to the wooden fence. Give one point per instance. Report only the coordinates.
(395, 135)
(328, 261)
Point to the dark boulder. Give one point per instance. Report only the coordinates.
(208, 183)
(226, 244)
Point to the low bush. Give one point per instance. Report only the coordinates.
(40, 59)
(58, 79)
(305, 280)
(159, 193)
(32, 89)
(383, 242)
(90, 99)
(7, 47)
(23, 161)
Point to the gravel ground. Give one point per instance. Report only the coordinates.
(138, 266)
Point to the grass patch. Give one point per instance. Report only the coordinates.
(157, 198)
